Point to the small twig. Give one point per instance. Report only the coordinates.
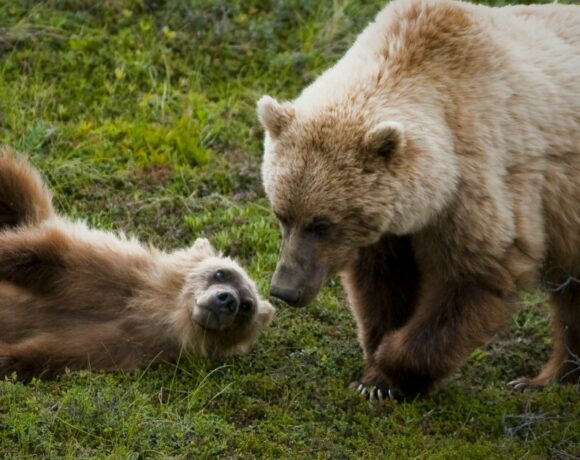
(559, 287)
(528, 420)
(575, 360)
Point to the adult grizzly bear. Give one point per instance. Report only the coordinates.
(73, 297)
(436, 166)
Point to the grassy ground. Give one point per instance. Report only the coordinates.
(141, 114)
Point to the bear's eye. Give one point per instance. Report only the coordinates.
(283, 220)
(319, 227)
(246, 305)
(220, 275)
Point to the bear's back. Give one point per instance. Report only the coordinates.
(562, 20)
(412, 42)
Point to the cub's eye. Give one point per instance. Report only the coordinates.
(220, 275)
(319, 227)
(246, 306)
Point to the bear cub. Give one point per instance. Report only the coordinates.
(72, 297)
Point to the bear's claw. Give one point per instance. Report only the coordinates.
(372, 393)
(524, 383)
(518, 384)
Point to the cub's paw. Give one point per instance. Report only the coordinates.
(372, 392)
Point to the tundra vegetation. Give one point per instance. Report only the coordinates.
(141, 114)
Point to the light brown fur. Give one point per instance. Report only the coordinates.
(436, 166)
(73, 297)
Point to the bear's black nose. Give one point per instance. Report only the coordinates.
(290, 296)
(225, 302)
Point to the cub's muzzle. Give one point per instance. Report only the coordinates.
(225, 303)
(218, 309)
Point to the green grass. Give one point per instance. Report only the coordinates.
(141, 115)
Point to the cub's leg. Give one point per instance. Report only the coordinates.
(77, 345)
(53, 260)
(382, 286)
(24, 199)
(451, 319)
(34, 357)
(33, 259)
(564, 363)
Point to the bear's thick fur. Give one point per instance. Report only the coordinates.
(72, 297)
(436, 166)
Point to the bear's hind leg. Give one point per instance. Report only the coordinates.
(566, 333)
(564, 363)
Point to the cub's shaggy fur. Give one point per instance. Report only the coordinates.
(72, 297)
(437, 167)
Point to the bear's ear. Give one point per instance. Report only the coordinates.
(385, 138)
(266, 312)
(203, 246)
(275, 116)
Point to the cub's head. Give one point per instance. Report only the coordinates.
(338, 180)
(224, 304)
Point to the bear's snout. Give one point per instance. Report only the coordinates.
(289, 296)
(294, 284)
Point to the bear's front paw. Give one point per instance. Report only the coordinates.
(374, 385)
(373, 392)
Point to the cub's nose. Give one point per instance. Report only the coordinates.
(290, 296)
(225, 303)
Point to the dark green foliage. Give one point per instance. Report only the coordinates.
(141, 115)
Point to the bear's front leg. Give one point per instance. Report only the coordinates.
(382, 285)
(451, 319)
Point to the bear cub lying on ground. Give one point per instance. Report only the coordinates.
(72, 297)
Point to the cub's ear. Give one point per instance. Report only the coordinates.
(266, 312)
(385, 138)
(203, 246)
(275, 116)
